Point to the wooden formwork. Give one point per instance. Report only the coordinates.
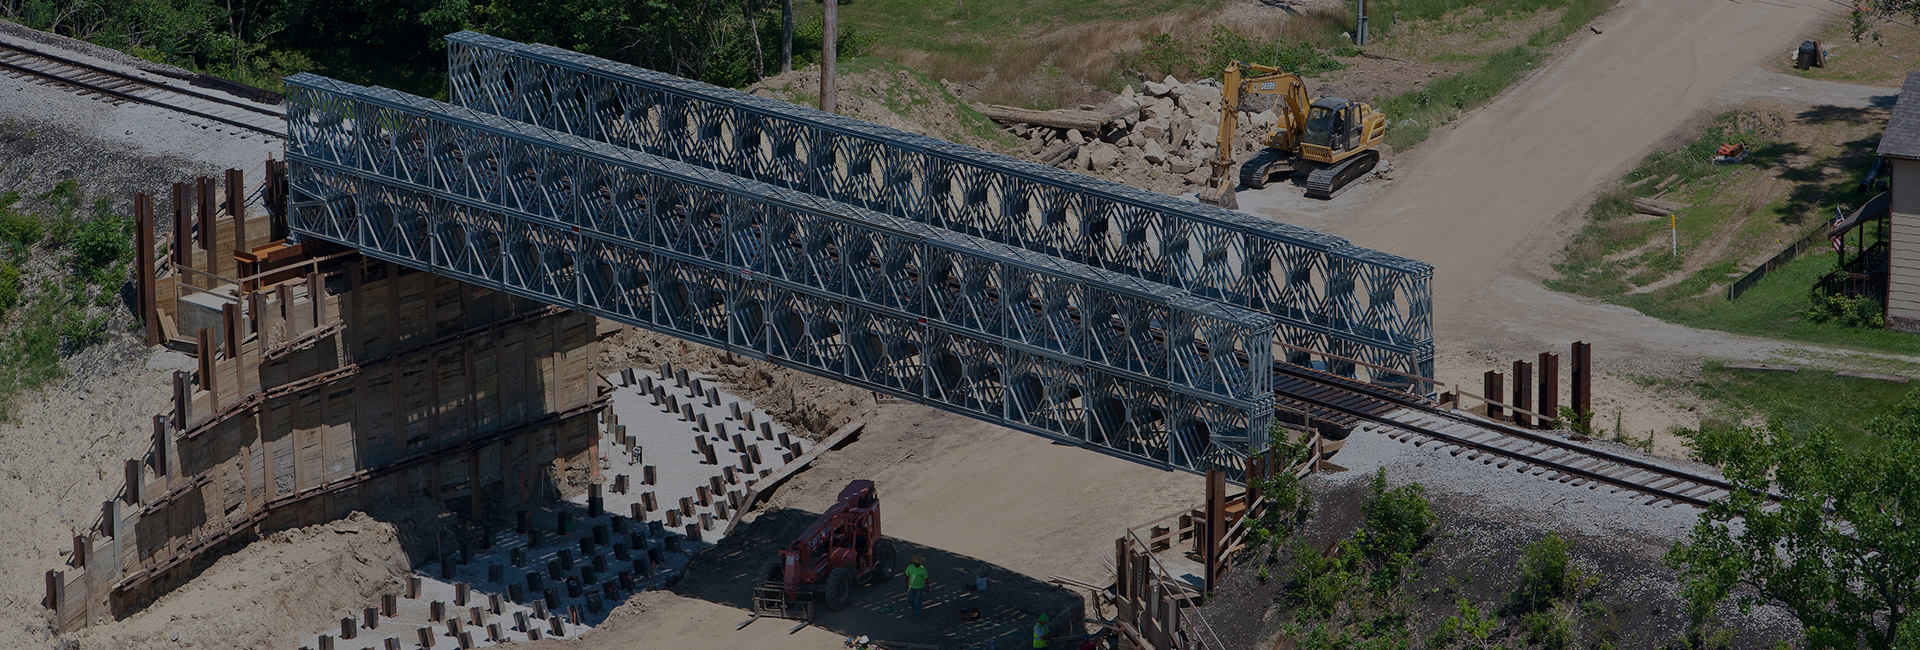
(329, 382)
(1155, 609)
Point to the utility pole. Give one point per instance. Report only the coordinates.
(827, 54)
(1360, 32)
(786, 36)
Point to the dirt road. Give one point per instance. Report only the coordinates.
(1491, 200)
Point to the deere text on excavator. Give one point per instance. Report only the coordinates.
(1335, 141)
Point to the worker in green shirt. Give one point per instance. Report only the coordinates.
(916, 584)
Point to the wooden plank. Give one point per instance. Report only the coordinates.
(309, 463)
(1898, 379)
(763, 487)
(340, 434)
(1761, 367)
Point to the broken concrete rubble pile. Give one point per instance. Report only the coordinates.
(1164, 136)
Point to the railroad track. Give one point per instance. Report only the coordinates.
(1363, 406)
(117, 87)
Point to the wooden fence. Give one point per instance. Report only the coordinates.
(1817, 237)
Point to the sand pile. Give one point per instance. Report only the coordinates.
(265, 595)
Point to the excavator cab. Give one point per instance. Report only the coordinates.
(1331, 123)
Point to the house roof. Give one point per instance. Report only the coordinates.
(1902, 139)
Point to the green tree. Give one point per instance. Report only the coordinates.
(1901, 11)
(1842, 547)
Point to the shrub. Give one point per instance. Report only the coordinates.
(1320, 582)
(101, 242)
(1849, 311)
(1548, 574)
(1471, 622)
(10, 286)
(1398, 519)
(1552, 628)
(18, 229)
(79, 331)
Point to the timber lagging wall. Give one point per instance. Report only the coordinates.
(346, 382)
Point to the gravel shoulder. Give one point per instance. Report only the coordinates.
(1486, 517)
(130, 129)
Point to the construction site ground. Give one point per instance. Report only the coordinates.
(1489, 200)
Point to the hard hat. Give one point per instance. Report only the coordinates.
(1043, 618)
(917, 559)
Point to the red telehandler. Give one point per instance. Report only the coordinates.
(841, 548)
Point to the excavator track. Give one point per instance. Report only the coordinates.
(1254, 172)
(1327, 181)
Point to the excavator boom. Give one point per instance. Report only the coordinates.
(1235, 85)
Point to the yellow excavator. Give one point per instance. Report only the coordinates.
(1334, 140)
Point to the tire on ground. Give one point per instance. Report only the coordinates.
(883, 561)
(839, 591)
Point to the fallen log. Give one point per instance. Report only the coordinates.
(1656, 207)
(1063, 151)
(1087, 122)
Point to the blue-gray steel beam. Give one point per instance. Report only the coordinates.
(981, 328)
(1330, 296)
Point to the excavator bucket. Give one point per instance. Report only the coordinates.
(1220, 197)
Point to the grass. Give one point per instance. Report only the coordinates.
(1412, 115)
(1738, 214)
(1013, 47)
(1881, 57)
(50, 310)
(1775, 308)
(903, 98)
(1799, 401)
(968, 40)
(1163, 54)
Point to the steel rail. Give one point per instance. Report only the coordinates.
(127, 96)
(138, 80)
(1564, 468)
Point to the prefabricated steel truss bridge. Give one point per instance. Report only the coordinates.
(1329, 295)
(1152, 339)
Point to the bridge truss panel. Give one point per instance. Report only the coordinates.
(1353, 298)
(977, 327)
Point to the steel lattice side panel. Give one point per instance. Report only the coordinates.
(752, 228)
(1350, 293)
(882, 351)
(747, 267)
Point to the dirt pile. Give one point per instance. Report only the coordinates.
(805, 404)
(266, 594)
(891, 95)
